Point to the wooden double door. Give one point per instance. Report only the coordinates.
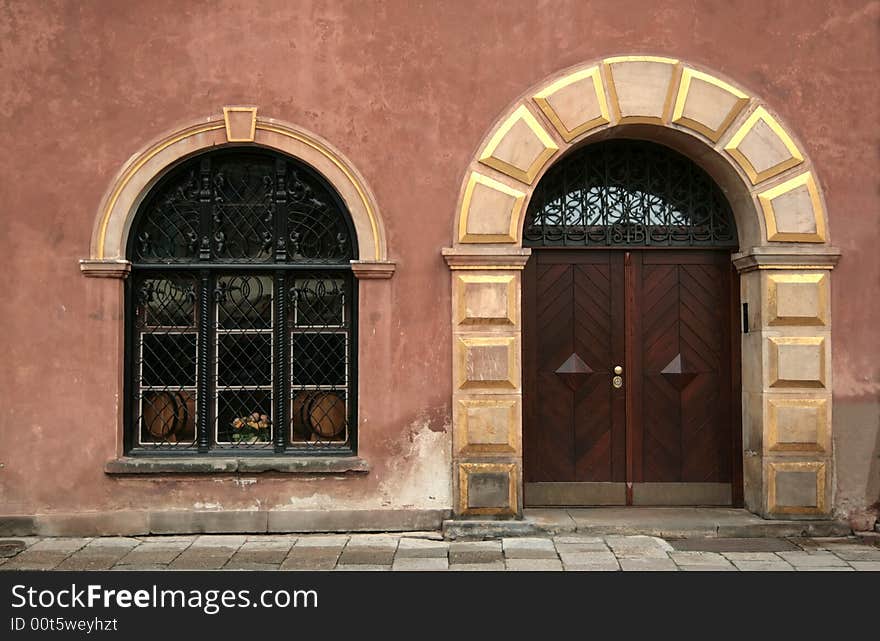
(630, 378)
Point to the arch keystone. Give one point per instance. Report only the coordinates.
(641, 87)
(762, 148)
(706, 104)
(575, 104)
(240, 122)
(520, 147)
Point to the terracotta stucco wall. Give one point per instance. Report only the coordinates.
(407, 91)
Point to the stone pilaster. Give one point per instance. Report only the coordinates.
(487, 381)
(787, 382)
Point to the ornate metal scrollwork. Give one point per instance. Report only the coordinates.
(232, 201)
(626, 193)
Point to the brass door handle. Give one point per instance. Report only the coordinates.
(618, 369)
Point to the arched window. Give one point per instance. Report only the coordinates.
(628, 193)
(241, 310)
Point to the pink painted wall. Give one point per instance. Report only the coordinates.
(406, 90)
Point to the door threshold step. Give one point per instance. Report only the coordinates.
(664, 522)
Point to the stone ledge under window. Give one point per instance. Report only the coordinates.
(237, 465)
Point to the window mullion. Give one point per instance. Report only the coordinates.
(280, 386)
(206, 391)
(206, 326)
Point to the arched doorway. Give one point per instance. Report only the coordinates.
(783, 266)
(629, 393)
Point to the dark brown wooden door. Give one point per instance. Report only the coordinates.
(662, 437)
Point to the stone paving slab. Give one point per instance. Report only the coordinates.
(205, 558)
(638, 546)
(570, 544)
(373, 541)
(311, 558)
(363, 555)
(475, 552)
(647, 564)
(59, 545)
(534, 565)
(813, 559)
(529, 548)
(422, 548)
(587, 558)
(260, 554)
(597, 566)
(251, 567)
(763, 566)
(112, 542)
(321, 541)
(766, 557)
(712, 559)
(151, 554)
(93, 559)
(494, 566)
(36, 560)
(866, 566)
(848, 554)
(420, 564)
(219, 541)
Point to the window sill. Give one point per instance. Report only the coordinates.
(237, 465)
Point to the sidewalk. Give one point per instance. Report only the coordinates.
(428, 551)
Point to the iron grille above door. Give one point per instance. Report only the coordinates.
(627, 193)
(241, 309)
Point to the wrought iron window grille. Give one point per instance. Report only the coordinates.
(241, 314)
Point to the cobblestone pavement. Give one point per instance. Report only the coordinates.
(427, 551)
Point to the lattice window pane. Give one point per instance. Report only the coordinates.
(243, 369)
(165, 361)
(320, 359)
(244, 417)
(319, 416)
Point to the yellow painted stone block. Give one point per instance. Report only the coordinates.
(520, 147)
(487, 426)
(485, 299)
(487, 488)
(641, 87)
(490, 211)
(797, 425)
(762, 147)
(706, 104)
(489, 362)
(575, 104)
(793, 211)
(797, 299)
(796, 487)
(796, 361)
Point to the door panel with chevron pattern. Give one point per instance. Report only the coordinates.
(682, 358)
(573, 304)
(665, 318)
